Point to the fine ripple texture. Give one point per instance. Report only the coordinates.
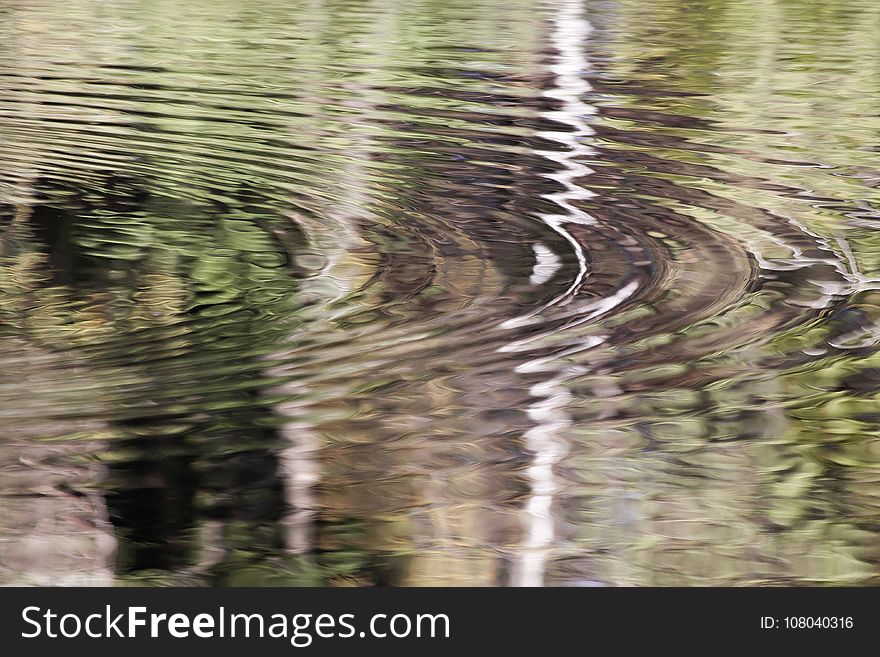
(471, 292)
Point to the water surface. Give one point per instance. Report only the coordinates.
(440, 292)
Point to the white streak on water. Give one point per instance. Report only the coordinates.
(547, 264)
(548, 412)
(336, 236)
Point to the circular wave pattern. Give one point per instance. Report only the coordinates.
(432, 293)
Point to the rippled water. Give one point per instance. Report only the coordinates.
(485, 292)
